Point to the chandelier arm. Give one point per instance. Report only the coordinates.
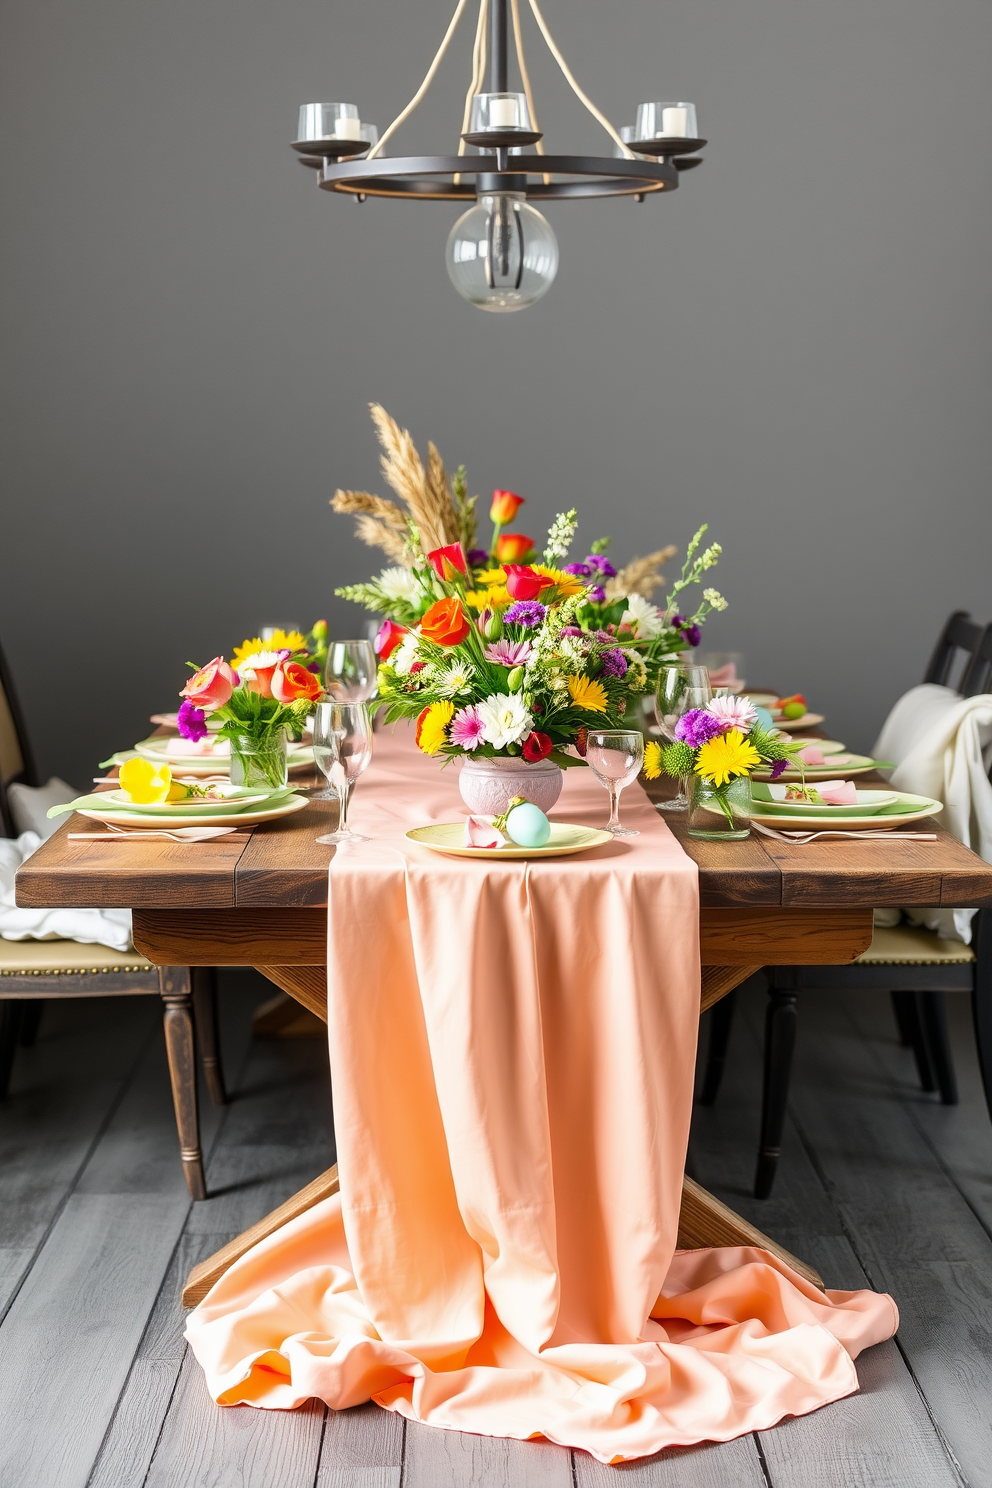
(478, 71)
(525, 76)
(405, 113)
(582, 97)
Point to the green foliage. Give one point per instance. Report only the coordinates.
(600, 545)
(465, 508)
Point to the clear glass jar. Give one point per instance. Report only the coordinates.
(722, 811)
(260, 763)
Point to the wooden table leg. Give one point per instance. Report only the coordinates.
(180, 1044)
(703, 1220)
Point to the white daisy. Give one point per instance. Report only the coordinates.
(455, 679)
(398, 584)
(644, 616)
(505, 719)
(405, 654)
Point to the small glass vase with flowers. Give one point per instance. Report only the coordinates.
(716, 748)
(267, 698)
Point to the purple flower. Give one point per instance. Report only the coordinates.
(508, 653)
(597, 594)
(466, 728)
(570, 630)
(614, 663)
(191, 722)
(580, 570)
(602, 565)
(692, 634)
(697, 727)
(778, 767)
(478, 557)
(606, 636)
(525, 612)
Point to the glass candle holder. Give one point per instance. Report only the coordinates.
(334, 121)
(666, 121)
(499, 111)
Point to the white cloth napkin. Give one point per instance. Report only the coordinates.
(109, 927)
(942, 745)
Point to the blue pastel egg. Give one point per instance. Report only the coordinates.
(528, 826)
(764, 717)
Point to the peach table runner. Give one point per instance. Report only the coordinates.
(512, 1048)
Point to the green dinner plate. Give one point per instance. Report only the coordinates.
(285, 806)
(854, 764)
(869, 803)
(906, 808)
(155, 749)
(566, 838)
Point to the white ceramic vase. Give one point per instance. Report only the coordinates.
(489, 785)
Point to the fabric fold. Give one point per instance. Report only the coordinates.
(512, 1050)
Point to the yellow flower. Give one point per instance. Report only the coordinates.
(146, 783)
(565, 583)
(488, 599)
(725, 757)
(432, 727)
(286, 640)
(588, 694)
(652, 760)
(491, 576)
(247, 648)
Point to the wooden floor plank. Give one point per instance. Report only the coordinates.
(236, 1447)
(435, 1458)
(882, 1437)
(362, 1448)
(912, 1231)
(131, 1437)
(67, 1343)
(733, 1464)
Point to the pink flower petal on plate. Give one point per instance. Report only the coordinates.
(839, 793)
(480, 832)
(812, 756)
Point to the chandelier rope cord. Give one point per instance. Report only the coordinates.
(478, 73)
(518, 42)
(405, 113)
(582, 97)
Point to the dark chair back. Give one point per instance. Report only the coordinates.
(978, 673)
(16, 758)
(955, 652)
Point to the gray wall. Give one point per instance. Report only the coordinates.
(795, 346)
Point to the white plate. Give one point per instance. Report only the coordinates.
(869, 801)
(208, 764)
(232, 805)
(850, 764)
(247, 818)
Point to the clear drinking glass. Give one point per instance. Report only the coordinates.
(350, 674)
(342, 749)
(615, 757)
(679, 689)
(726, 669)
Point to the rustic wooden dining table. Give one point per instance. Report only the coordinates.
(258, 897)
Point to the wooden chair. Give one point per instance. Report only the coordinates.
(913, 964)
(33, 971)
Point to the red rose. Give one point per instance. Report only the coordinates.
(446, 562)
(445, 623)
(505, 507)
(536, 747)
(524, 583)
(388, 638)
(511, 546)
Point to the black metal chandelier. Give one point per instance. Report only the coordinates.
(502, 254)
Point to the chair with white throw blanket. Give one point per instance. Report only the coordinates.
(57, 953)
(941, 743)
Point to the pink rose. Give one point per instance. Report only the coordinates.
(211, 686)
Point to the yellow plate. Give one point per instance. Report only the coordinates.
(566, 838)
(238, 819)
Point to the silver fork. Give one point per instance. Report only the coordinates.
(176, 834)
(803, 837)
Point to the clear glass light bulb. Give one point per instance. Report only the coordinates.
(502, 254)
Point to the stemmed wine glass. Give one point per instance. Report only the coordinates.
(350, 673)
(342, 749)
(679, 689)
(615, 757)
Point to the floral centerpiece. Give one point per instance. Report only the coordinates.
(434, 516)
(716, 748)
(266, 698)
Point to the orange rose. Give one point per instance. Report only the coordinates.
(512, 546)
(445, 623)
(505, 507)
(291, 681)
(211, 686)
(259, 679)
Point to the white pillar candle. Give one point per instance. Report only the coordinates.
(351, 129)
(673, 122)
(502, 113)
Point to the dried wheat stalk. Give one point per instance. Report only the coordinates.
(640, 575)
(376, 535)
(380, 523)
(429, 501)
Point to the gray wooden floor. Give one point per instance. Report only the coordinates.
(879, 1186)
